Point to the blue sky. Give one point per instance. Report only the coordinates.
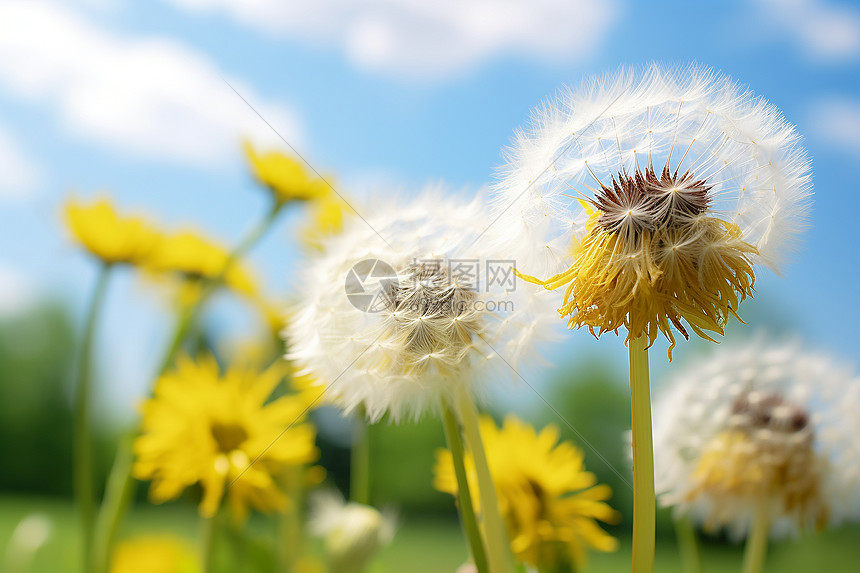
(124, 97)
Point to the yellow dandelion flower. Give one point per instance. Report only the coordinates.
(326, 218)
(220, 431)
(157, 554)
(197, 258)
(285, 177)
(109, 236)
(550, 503)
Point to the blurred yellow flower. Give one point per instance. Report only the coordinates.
(285, 177)
(195, 258)
(108, 236)
(550, 503)
(325, 218)
(157, 554)
(222, 432)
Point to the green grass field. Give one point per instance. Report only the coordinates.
(429, 546)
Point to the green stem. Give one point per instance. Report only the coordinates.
(643, 458)
(498, 543)
(688, 545)
(83, 477)
(464, 497)
(359, 467)
(189, 315)
(118, 495)
(756, 548)
(290, 534)
(208, 528)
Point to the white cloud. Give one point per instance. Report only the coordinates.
(428, 39)
(823, 30)
(836, 121)
(151, 97)
(19, 176)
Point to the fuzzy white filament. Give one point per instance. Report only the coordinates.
(431, 328)
(691, 123)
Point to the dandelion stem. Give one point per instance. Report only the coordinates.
(291, 545)
(688, 545)
(83, 475)
(756, 547)
(118, 495)
(359, 467)
(208, 529)
(189, 315)
(464, 496)
(643, 457)
(498, 544)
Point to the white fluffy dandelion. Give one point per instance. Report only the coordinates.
(763, 427)
(408, 306)
(658, 190)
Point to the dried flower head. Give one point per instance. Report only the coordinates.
(657, 192)
(763, 424)
(395, 326)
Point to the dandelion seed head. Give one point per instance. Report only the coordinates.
(429, 330)
(658, 191)
(766, 423)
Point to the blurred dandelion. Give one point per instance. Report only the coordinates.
(196, 259)
(650, 197)
(108, 236)
(761, 440)
(112, 239)
(352, 532)
(285, 177)
(155, 554)
(223, 433)
(550, 503)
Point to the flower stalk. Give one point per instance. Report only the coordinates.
(643, 457)
(464, 496)
(190, 314)
(756, 547)
(84, 485)
(498, 544)
(688, 545)
(359, 467)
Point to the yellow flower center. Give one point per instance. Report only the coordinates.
(228, 437)
(652, 257)
(767, 453)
